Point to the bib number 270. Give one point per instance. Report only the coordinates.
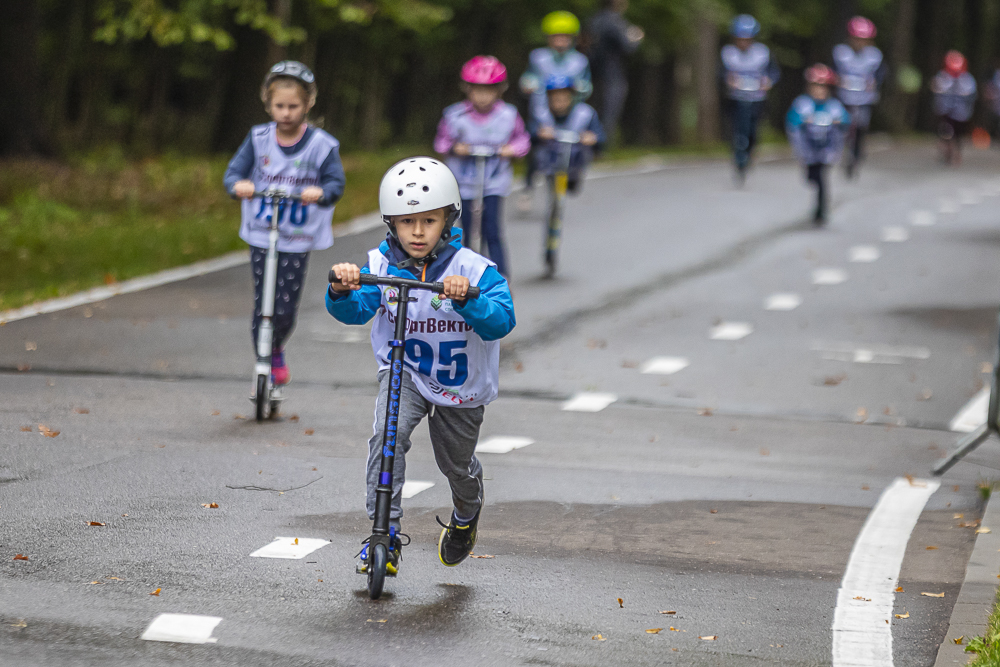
(295, 212)
(453, 367)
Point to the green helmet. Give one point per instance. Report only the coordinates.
(561, 23)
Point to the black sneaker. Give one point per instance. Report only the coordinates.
(457, 539)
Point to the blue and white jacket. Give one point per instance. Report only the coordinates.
(816, 129)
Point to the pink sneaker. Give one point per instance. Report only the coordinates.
(280, 375)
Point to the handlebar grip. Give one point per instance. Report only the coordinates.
(368, 279)
(471, 293)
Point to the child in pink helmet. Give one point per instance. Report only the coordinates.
(483, 120)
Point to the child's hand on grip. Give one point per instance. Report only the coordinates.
(460, 149)
(311, 195)
(588, 138)
(348, 276)
(243, 189)
(455, 287)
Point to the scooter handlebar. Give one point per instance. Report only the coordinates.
(392, 281)
(278, 194)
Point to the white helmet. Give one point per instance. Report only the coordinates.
(419, 184)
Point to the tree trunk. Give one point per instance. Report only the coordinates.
(371, 108)
(896, 101)
(706, 72)
(283, 12)
(19, 106)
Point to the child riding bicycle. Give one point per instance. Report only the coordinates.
(292, 155)
(452, 354)
(493, 129)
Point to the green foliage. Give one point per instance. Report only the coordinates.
(987, 647)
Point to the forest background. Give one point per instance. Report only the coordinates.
(117, 115)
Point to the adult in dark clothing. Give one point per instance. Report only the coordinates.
(612, 40)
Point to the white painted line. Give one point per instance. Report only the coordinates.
(868, 353)
(587, 401)
(973, 414)
(829, 276)
(412, 488)
(783, 301)
(730, 331)
(664, 365)
(128, 286)
(864, 253)
(289, 547)
(895, 234)
(501, 444)
(182, 628)
(862, 628)
(947, 205)
(922, 218)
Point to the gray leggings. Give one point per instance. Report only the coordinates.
(454, 434)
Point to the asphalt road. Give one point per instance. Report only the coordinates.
(731, 491)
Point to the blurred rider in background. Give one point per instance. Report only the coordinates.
(954, 101)
(558, 58)
(816, 125)
(483, 120)
(861, 71)
(568, 113)
(613, 39)
(747, 74)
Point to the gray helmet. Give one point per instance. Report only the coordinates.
(292, 69)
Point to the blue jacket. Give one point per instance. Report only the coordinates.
(817, 129)
(491, 316)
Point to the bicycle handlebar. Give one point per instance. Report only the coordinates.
(392, 281)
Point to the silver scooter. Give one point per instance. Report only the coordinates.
(474, 235)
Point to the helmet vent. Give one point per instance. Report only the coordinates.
(422, 169)
(426, 189)
(411, 185)
(399, 193)
(401, 172)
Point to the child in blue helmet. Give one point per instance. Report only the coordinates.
(568, 113)
(747, 74)
(817, 124)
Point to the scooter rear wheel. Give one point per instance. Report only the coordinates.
(376, 571)
(262, 400)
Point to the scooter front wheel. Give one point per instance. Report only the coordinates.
(376, 571)
(262, 400)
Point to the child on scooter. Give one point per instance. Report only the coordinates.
(568, 113)
(817, 124)
(452, 354)
(954, 103)
(483, 120)
(287, 154)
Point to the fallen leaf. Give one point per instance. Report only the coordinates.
(969, 524)
(925, 395)
(958, 640)
(906, 615)
(20, 624)
(654, 631)
(958, 516)
(320, 580)
(23, 367)
(315, 468)
(95, 523)
(381, 620)
(983, 530)
(899, 589)
(709, 638)
(215, 413)
(862, 598)
(481, 556)
(629, 363)
(213, 506)
(764, 451)
(597, 344)
(296, 541)
(309, 431)
(704, 412)
(109, 279)
(862, 414)
(26, 429)
(100, 583)
(81, 411)
(833, 380)
(932, 595)
(713, 511)
(156, 592)
(673, 629)
(931, 548)
(20, 557)
(30, 345)
(238, 417)
(46, 431)
(955, 488)
(668, 612)
(599, 638)
(865, 487)
(621, 603)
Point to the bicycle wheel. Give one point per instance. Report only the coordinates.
(376, 571)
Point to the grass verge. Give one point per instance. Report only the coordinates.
(987, 647)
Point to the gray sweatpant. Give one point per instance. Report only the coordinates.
(454, 434)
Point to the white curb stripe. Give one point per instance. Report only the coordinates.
(862, 637)
(182, 628)
(973, 414)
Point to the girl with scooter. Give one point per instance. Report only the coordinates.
(290, 156)
(438, 354)
(860, 70)
(479, 137)
(954, 102)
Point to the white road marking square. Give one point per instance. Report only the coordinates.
(973, 414)
(783, 301)
(968, 197)
(895, 234)
(922, 218)
(829, 276)
(664, 365)
(412, 488)
(870, 353)
(289, 547)
(864, 253)
(730, 331)
(587, 401)
(182, 628)
(501, 444)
